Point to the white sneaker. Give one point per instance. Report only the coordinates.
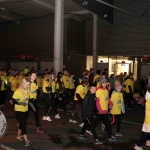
(81, 125)
(44, 118)
(138, 148)
(57, 116)
(48, 118)
(73, 121)
(148, 142)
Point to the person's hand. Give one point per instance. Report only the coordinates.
(10, 102)
(100, 112)
(110, 106)
(60, 98)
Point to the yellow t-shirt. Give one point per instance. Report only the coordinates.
(124, 87)
(45, 84)
(129, 82)
(147, 112)
(2, 83)
(20, 78)
(117, 99)
(39, 82)
(103, 95)
(71, 83)
(53, 86)
(81, 90)
(98, 84)
(33, 90)
(66, 81)
(96, 77)
(11, 78)
(21, 96)
(14, 84)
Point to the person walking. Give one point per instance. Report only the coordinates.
(89, 108)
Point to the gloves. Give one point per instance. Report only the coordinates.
(22, 103)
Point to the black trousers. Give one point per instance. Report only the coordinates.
(22, 118)
(62, 102)
(144, 137)
(78, 112)
(105, 119)
(72, 91)
(117, 118)
(36, 113)
(2, 97)
(129, 97)
(67, 96)
(89, 122)
(55, 102)
(48, 104)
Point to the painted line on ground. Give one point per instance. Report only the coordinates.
(131, 122)
(6, 147)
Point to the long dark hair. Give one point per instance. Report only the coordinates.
(61, 84)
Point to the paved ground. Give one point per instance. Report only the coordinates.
(60, 134)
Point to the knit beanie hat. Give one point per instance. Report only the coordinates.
(118, 86)
(102, 80)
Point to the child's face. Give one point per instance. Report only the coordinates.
(104, 85)
(92, 89)
(119, 90)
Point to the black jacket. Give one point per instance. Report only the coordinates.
(89, 105)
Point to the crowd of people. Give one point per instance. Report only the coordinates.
(93, 95)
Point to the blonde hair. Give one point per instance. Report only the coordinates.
(48, 78)
(22, 85)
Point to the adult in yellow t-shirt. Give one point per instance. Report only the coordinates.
(129, 90)
(33, 101)
(117, 100)
(78, 100)
(65, 78)
(20, 100)
(46, 90)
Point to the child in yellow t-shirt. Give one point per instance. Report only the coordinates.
(118, 103)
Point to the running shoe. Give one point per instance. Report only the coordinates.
(39, 130)
(20, 137)
(48, 118)
(148, 142)
(119, 134)
(81, 125)
(113, 139)
(66, 113)
(57, 116)
(138, 148)
(89, 132)
(28, 143)
(82, 137)
(98, 142)
(73, 121)
(44, 118)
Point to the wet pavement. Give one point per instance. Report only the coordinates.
(60, 134)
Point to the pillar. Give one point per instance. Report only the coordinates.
(95, 33)
(58, 35)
